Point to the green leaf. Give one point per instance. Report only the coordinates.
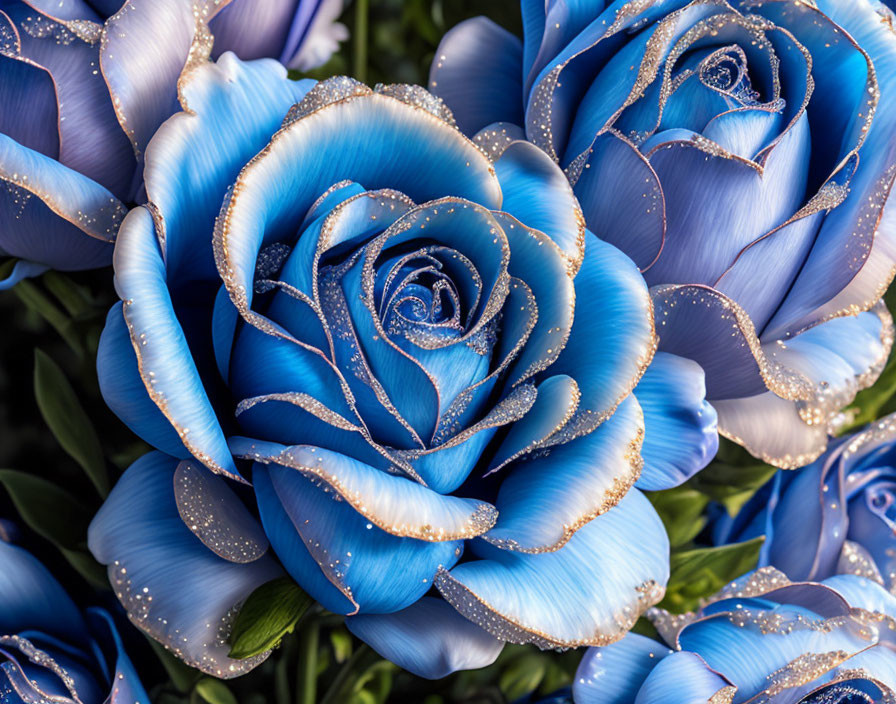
(732, 482)
(341, 641)
(522, 676)
(36, 300)
(57, 516)
(270, 612)
(74, 298)
(698, 574)
(87, 566)
(48, 510)
(214, 691)
(681, 510)
(68, 421)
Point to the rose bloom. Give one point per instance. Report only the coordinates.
(335, 295)
(742, 153)
(836, 515)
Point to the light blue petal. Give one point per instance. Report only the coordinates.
(370, 138)
(612, 339)
(614, 674)
(401, 507)
(428, 638)
(536, 260)
(537, 193)
(746, 654)
(838, 358)
(288, 367)
(588, 592)
(174, 588)
(478, 72)
(124, 391)
(864, 594)
(354, 565)
(543, 501)
(234, 108)
(680, 426)
(555, 403)
(681, 678)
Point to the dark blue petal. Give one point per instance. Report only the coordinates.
(91, 141)
(28, 90)
(126, 685)
(622, 199)
(22, 270)
(51, 214)
(32, 598)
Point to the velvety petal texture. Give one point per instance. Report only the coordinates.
(741, 154)
(335, 296)
(50, 648)
(763, 638)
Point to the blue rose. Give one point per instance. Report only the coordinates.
(52, 651)
(836, 516)
(384, 322)
(742, 154)
(85, 85)
(762, 639)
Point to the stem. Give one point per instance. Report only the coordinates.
(281, 672)
(362, 11)
(345, 679)
(306, 685)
